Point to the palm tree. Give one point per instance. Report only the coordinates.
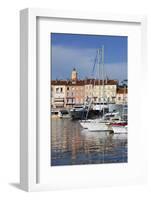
(124, 83)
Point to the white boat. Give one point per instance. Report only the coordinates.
(96, 125)
(120, 126)
(100, 124)
(64, 114)
(120, 129)
(85, 123)
(112, 116)
(110, 122)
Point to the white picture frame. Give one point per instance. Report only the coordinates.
(29, 148)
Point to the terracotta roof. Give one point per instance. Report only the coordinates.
(84, 82)
(100, 82)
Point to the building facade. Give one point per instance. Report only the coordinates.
(122, 96)
(101, 91)
(57, 94)
(73, 92)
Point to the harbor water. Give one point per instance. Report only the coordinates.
(73, 145)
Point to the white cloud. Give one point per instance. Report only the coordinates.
(65, 58)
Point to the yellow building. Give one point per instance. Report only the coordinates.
(97, 89)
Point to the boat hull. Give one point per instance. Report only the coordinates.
(96, 126)
(82, 114)
(120, 129)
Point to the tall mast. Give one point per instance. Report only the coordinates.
(102, 70)
(99, 73)
(123, 102)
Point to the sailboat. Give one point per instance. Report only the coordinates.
(121, 126)
(98, 124)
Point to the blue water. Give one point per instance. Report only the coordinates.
(72, 145)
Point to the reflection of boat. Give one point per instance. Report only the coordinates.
(91, 135)
(120, 136)
(64, 114)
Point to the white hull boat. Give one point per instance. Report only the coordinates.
(120, 129)
(64, 114)
(99, 127)
(96, 125)
(86, 123)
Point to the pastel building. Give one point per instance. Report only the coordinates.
(101, 91)
(74, 93)
(68, 93)
(58, 94)
(122, 96)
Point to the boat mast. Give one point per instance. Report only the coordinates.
(102, 72)
(91, 101)
(123, 106)
(99, 74)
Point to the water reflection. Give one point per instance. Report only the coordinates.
(70, 145)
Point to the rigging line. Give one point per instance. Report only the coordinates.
(92, 73)
(93, 84)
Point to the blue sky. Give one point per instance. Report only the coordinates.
(79, 51)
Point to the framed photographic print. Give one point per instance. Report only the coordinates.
(82, 77)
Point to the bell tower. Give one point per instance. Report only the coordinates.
(74, 75)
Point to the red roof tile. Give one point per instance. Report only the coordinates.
(83, 82)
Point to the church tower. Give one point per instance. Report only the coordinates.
(74, 75)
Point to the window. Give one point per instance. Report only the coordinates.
(57, 90)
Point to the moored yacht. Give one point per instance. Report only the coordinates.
(120, 128)
(80, 113)
(98, 124)
(63, 114)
